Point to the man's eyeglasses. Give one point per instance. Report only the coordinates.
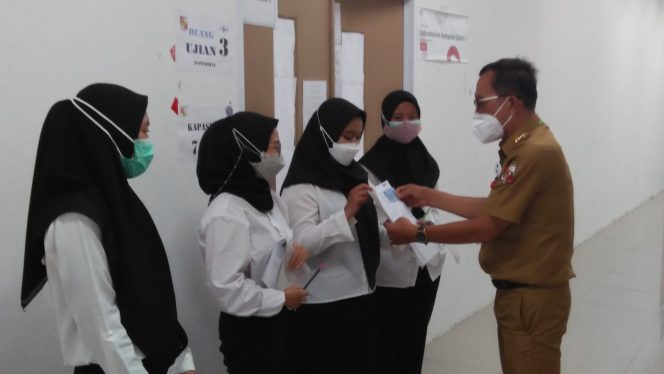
(479, 102)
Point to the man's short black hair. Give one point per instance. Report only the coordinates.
(514, 76)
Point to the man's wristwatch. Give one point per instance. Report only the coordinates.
(421, 234)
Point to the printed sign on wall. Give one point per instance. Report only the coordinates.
(204, 44)
(193, 120)
(443, 36)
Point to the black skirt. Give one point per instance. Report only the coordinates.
(333, 338)
(404, 315)
(254, 345)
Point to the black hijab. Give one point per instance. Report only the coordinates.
(78, 169)
(401, 163)
(221, 160)
(312, 163)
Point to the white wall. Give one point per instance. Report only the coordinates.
(52, 49)
(601, 89)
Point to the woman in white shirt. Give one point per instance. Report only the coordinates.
(89, 232)
(331, 214)
(244, 236)
(406, 290)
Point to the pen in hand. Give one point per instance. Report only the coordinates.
(320, 267)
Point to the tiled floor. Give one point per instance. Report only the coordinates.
(615, 324)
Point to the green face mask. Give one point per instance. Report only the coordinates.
(143, 150)
(138, 164)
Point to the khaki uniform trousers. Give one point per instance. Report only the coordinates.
(531, 324)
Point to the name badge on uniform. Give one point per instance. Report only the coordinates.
(506, 175)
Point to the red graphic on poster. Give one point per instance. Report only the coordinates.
(173, 52)
(453, 52)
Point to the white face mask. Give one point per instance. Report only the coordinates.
(343, 153)
(269, 165)
(486, 127)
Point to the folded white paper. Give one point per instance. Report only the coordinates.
(385, 198)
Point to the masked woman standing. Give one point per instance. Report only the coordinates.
(406, 289)
(95, 241)
(332, 215)
(247, 243)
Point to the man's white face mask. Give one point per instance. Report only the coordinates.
(486, 127)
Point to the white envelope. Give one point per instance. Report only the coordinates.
(385, 198)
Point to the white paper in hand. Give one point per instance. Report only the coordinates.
(271, 275)
(425, 252)
(386, 199)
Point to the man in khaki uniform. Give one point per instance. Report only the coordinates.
(525, 225)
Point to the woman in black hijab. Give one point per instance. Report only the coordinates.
(244, 234)
(406, 289)
(92, 237)
(331, 213)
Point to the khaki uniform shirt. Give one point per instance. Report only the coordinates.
(533, 191)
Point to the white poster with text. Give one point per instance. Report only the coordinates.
(193, 120)
(204, 43)
(443, 36)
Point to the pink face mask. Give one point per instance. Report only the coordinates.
(403, 132)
